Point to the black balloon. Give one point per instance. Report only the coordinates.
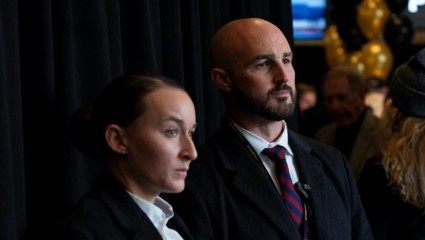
(397, 6)
(398, 34)
(351, 35)
(343, 15)
(398, 31)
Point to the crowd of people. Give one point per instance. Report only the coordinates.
(254, 178)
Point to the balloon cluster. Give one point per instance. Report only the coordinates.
(379, 31)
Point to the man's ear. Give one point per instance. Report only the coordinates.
(114, 136)
(221, 79)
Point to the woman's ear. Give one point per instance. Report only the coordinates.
(114, 136)
(221, 79)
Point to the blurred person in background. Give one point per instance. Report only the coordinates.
(354, 129)
(312, 113)
(307, 97)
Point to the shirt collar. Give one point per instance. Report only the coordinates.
(159, 212)
(258, 143)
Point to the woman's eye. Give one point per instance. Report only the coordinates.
(171, 132)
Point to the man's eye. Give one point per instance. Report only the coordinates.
(262, 64)
(287, 60)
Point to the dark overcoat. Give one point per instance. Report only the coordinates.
(108, 212)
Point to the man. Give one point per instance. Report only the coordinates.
(232, 190)
(354, 128)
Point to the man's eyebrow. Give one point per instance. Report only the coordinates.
(288, 54)
(271, 56)
(263, 56)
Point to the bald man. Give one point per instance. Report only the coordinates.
(233, 191)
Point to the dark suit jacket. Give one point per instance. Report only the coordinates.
(229, 197)
(110, 213)
(368, 143)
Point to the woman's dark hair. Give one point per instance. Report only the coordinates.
(120, 103)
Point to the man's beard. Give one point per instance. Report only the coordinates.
(264, 107)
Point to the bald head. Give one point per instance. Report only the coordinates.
(238, 37)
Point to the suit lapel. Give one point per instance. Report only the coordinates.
(128, 215)
(310, 171)
(251, 180)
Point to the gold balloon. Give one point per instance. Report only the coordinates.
(335, 56)
(331, 38)
(378, 60)
(372, 16)
(354, 59)
(334, 47)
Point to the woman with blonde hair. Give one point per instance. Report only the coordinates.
(392, 185)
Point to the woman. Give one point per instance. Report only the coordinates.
(392, 185)
(141, 127)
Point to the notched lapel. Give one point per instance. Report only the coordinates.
(312, 173)
(249, 178)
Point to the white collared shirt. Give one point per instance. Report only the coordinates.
(159, 213)
(258, 143)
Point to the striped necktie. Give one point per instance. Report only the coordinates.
(292, 200)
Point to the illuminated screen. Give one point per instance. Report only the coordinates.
(309, 19)
(416, 13)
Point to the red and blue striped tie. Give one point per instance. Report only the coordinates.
(292, 200)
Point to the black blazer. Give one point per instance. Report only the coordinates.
(109, 212)
(228, 196)
(390, 217)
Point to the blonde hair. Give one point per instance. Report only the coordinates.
(404, 154)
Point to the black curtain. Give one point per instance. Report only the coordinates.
(56, 55)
